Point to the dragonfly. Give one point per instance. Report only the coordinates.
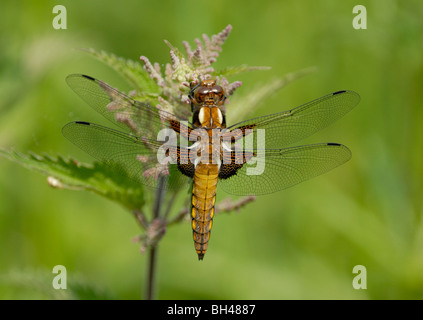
(161, 150)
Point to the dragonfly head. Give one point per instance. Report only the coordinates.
(207, 92)
(206, 99)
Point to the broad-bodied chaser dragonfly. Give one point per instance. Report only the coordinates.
(209, 151)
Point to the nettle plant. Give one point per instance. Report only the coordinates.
(165, 88)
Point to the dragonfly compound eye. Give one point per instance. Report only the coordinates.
(217, 90)
(201, 93)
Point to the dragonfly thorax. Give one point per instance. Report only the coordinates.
(206, 99)
(209, 117)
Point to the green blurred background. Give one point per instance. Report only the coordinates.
(301, 243)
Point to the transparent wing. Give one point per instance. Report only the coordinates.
(131, 156)
(282, 168)
(127, 113)
(284, 128)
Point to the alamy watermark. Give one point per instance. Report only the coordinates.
(60, 281)
(360, 20)
(60, 20)
(360, 280)
(213, 146)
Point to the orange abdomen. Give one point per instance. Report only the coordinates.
(203, 200)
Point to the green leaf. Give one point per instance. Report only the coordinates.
(71, 174)
(132, 71)
(230, 71)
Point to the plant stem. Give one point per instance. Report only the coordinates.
(151, 274)
(150, 288)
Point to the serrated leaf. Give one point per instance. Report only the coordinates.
(230, 71)
(71, 174)
(132, 71)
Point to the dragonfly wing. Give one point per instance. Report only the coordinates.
(278, 169)
(127, 113)
(285, 128)
(132, 156)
